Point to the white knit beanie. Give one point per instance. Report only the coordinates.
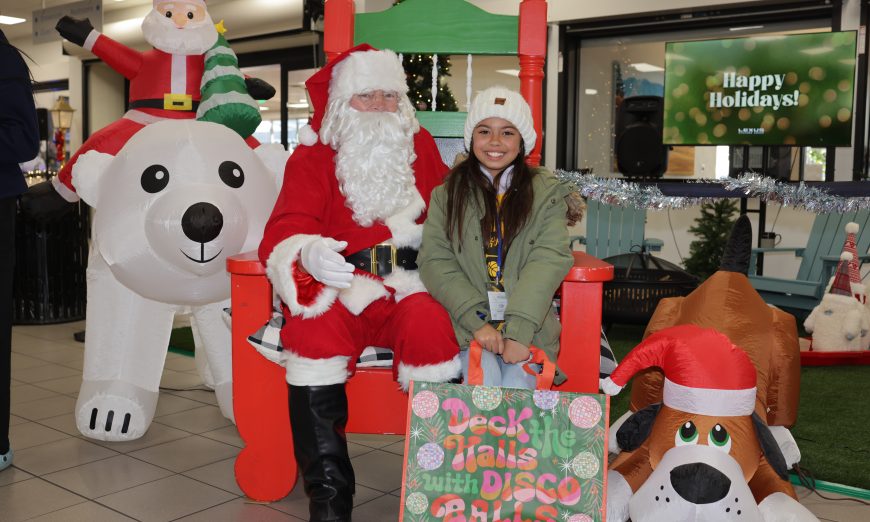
(500, 102)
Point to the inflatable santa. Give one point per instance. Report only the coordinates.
(340, 250)
(165, 84)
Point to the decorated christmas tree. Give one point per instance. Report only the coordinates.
(419, 70)
(225, 97)
(712, 228)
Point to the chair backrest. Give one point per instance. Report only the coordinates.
(613, 230)
(449, 27)
(826, 239)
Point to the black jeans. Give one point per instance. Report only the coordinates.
(7, 262)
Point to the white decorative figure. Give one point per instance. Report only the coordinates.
(177, 200)
(840, 322)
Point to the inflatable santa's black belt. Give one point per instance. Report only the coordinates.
(155, 103)
(381, 259)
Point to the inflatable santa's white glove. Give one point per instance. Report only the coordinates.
(322, 260)
(780, 507)
(618, 495)
(609, 387)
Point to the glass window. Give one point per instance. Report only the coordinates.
(614, 69)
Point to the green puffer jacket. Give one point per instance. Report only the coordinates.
(539, 259)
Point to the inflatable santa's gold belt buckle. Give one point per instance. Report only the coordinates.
(177, 102)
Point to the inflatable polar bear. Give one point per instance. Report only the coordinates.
(177, 200)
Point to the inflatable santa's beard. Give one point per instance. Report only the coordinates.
(179, 198)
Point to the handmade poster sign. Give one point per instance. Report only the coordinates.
(482, 454)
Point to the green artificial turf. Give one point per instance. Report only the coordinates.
(833, 416)
(181, 341)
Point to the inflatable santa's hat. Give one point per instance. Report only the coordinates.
(705, 373)
(359, 69)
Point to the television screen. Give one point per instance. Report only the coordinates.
(764, 90)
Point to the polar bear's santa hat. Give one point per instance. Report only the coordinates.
(705, 373)
(359, 69)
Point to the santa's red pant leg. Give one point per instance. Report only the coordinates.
(417, 329)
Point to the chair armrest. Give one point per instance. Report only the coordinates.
(577, 239)
(798, 251)
(836, 259)
(589, 269)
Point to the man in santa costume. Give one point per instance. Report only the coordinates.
(340, 250)
(164, 83)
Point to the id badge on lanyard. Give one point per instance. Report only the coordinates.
(497, 300)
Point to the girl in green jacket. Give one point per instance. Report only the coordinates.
(495, 242)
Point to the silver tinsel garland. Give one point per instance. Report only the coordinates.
(623, 193)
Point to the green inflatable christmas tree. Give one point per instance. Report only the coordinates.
(225, 98)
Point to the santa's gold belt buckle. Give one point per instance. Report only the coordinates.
(177, 102)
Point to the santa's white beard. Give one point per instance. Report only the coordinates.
(374, 153)
(194, 38)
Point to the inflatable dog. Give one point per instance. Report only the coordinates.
(703, 455)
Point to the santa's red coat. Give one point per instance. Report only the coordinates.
(310, 201)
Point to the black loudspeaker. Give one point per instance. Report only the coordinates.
(639, 149)
(42, 121)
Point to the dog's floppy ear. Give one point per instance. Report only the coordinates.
(769, 447)
(637, 428)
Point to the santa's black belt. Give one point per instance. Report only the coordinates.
(163, 104)
(380, 259)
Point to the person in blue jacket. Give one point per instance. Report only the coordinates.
(19, 142)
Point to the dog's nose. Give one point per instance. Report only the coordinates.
(202, 222)
(700, 483)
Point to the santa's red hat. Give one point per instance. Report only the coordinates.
(705, 373)
(359, 69)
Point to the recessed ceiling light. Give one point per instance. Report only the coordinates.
(591, 91)
(11, 20)
(264, 108)
(746, 28)
(297, 105)
(509, 72)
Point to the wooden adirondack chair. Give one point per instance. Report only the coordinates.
(819, 260)
(613, 230)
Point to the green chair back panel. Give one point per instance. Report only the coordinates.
(443, 124)
(462, 28)
(826, 239)
(613, 230)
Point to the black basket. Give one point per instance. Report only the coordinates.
(50, 263)
(640, 281)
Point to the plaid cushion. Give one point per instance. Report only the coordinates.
(267, 341)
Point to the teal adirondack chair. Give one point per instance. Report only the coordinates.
(612, 230)
(819, 260)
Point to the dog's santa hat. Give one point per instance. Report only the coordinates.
(705, 373)
(359, 69)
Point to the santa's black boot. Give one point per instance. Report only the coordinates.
(318, 415)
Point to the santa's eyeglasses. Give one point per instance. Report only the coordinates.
(373, 97)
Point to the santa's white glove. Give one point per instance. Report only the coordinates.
(322, 260)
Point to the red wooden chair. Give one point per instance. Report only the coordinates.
(266, 468)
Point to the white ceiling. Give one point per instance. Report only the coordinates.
(24, 9)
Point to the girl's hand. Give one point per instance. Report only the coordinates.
(489, 338)
(515, 352)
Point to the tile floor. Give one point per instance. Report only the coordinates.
(182, 469)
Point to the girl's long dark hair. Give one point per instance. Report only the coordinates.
(466, 180)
